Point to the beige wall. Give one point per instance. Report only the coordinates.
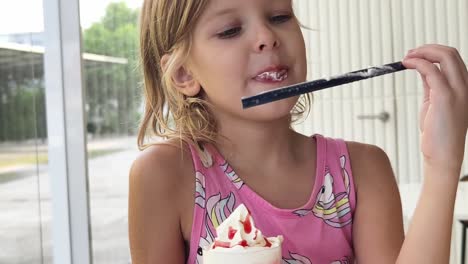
(354, 34)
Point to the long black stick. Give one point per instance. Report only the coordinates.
(320, 84)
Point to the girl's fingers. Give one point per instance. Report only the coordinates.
(425, 104)
(432, 76)
(452, 66)
(456, 54)
(426, 88)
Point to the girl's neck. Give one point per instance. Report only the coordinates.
(271, 143)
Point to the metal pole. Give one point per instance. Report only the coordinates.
(66, 133)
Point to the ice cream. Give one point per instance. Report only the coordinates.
(239, 241)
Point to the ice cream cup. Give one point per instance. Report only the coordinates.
(249, 255)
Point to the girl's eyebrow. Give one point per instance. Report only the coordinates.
(221, 12)
(224, 11)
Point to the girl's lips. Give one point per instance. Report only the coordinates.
(272, 68)
(272, 76)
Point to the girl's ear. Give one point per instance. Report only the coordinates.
(183, 79)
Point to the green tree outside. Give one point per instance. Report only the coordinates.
(112, 90)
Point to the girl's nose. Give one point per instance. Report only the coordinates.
(266, 39)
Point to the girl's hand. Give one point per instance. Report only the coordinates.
(444, 113)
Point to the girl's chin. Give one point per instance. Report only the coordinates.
(273, 110)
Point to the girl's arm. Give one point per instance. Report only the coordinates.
(377, 228)
(429, 235)
(377, 221)
(443, 125)
(154, 217)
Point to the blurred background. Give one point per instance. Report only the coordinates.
(343, 36)
(112, 108)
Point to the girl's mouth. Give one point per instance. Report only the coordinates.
(272, 76)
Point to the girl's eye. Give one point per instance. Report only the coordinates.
(280, 19)
(230, 33)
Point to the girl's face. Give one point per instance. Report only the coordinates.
(244, 47)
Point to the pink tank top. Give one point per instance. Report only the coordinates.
(320, 232)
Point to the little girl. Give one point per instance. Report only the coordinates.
(333, 201)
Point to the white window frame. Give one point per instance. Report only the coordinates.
(71, 232)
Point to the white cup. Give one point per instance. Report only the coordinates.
(252, 255)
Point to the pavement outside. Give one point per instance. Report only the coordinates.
(24, 220)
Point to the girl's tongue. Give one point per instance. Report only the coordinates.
(272, 76)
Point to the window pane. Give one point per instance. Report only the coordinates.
(110, 40)
(25, 204)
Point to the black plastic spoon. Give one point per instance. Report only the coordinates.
(320, 84)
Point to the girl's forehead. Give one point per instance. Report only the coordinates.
(216, 8)
(221, 5)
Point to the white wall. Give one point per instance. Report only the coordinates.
(354, 34)
(350, 35)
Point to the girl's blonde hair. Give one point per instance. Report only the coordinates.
(165, 28)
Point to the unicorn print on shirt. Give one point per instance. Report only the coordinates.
(345, 260)
(296, 259)
(333, 208)
(231, 175)
(200, 190)
(218, 209)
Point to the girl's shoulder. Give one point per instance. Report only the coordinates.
(162, 169)
(166, 157)
(361, 150)
(369, 163)
(378, 219)
(159, 187)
